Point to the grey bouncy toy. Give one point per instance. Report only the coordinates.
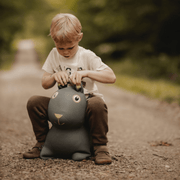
(68, 138)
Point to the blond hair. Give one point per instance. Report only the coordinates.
(65, 28)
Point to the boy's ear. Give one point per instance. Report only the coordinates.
(80, 36)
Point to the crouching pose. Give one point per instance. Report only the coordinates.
(66, 62)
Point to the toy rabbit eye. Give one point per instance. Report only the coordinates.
(54, 95)
(76, 98)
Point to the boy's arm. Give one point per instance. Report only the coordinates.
(49, 80)
(104, 76)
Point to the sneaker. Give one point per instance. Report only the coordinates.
(102, 155)
(35, 152)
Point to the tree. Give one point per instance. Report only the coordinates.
(120, 27)
(13, 15)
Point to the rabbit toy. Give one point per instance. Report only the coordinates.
(68, 138)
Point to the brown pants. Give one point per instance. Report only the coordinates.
(96, 118)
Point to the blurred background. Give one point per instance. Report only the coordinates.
(139, 40)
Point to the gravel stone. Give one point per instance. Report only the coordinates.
(144, 134)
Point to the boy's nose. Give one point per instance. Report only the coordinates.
(66, 51)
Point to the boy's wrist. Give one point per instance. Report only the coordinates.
(53, 76)
(88, 74)
(85, 74)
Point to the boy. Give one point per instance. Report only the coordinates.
(71, 62)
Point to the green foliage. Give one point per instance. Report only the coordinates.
(24, 19)
(156, 89)
(142, 37)
(7, 60)
(10, 23)
(131, 27)
(14, 17)
(145, 32)
(153, 68)
(149, 80)
(37, 24)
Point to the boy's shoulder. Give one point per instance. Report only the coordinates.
(86, 52)
(54, 50)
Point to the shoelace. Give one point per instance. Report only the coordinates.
(39, 148)
(107, 153)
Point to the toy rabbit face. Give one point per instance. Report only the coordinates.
(67, 108)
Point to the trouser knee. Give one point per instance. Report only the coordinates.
(32, 102)
(37, 109)
(97, 105)
(97, 116)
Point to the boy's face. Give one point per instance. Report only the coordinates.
(67, 50)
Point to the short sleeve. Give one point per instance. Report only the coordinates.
(48, 65)
(96, 63)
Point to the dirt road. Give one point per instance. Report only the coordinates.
(144, 134)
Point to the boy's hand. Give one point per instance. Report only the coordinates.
(77, 76)
(61, 78)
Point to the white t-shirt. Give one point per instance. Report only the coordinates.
(83, 60)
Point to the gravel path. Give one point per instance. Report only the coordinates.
(144, 134)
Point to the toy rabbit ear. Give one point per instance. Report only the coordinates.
(79, 88)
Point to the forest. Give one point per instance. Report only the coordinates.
(136, 38)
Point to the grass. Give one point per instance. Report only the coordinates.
(157, 88)
(7, 61)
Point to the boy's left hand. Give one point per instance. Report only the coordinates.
(77, 76)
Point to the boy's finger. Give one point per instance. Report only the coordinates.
(67, 78)
(62, 79)
(78, 79)
(56, 79)
(72, 78)
(59, 79)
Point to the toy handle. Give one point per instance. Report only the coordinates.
(61, 86)
(77, 88)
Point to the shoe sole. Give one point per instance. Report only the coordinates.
(103, 162)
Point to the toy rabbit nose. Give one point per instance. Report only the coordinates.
(58, 116)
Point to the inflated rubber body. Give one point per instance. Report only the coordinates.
(68, 138)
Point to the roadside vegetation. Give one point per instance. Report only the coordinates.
(139, 79)
(140, 40)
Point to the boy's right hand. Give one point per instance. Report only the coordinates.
(61, 78)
